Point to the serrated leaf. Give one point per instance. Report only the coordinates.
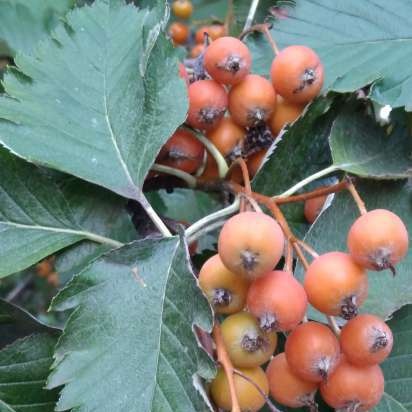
(132, 324)
(361, 147)
(24, 23)
(386, 293)
(359, 42)
(99, 99)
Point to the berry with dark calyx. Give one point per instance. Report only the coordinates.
(312, 351)
(286, 387)
(278, 300)
(250, 399)
(286, 112)
(246, 344)
(226, 291)
(257, 138)
(251, 244)
(208, 102)
(313, 207)
(353, 388)
(378, 240)
(336, 285)
(366, 340)
(179, 33)
(228, 60)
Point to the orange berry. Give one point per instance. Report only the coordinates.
(211, 171)
(208, 102)
(313, 207)
(286, 112)
(278, 300)
(251, 101)
(297, 74)
(197, 50)
(251, 244)
(228, 60)
(214, 31)
(312, 351)
(182, 8)
(336, 285)
(44, 268)
(179, 32)
(378, 240)
(366, 340)
(286, 387)
(254, 162)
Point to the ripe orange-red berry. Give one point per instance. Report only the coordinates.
(251, 244)
(246, 344)
(366, 340)
(312, 351)
(179, 32)
(254, 162)
(378, 240)
(336, 285)
(228, 60)
(214, 31)
(197, 50)
(208, 102)
(225, 290)
(313, 207)
(252, 101)
(278, 300)
(182, 8)
(182, 151)
(286, 112)
(297, 74)
(250, 399)
(352, 387)
(286, 387)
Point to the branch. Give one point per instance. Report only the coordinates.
(251, 15)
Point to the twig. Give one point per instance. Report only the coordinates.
(210, 228)
(288, 267)
(334, 325)
(246, 181)
(307, 248)
(189, 179)
(264, 29)
(19, 288)
(154, 217)
(356, 197)
(251, 15)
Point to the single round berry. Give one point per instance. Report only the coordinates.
(286, 387)
(182, 151)
(179, 32)
(208, 102)
(252, 101)
(278, 300)
(378, 240)
(286, 112)
(251, 244)
(250, 399)
(353, 388)
(313, 207)
(336, 285)
(228, 60)
(297, 74)
(225, 290)
(182, 8)
(312, 351)
(246, 344)
(214, 31)
(366, 340)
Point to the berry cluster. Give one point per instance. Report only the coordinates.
(240, 282)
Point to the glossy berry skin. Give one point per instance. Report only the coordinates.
(251, 244)
(297, 74)
(208, 102)
(228, 60)
(250, 400)
(286, 112)
(313, 207)
(278, 300)
(252, 101)
(366, 340)
(336, 285)
(286, 387)
(225, 290)
(214, 31)
(246, 344)
(179, 32)
(228, 138)
(378, 240)
(312, 351)
(182, 8)
(182, 151)
(352, 387)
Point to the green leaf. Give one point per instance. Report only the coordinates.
(361, 147)
(99, 99)
(24, 23)
(386, 293)
(25, 366)
(359, 42)
(132, 325)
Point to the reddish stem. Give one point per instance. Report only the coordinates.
(356, 197)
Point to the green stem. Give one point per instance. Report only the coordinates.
(309, 179)
(103, 240)
(334, 325)
(251, 15)
(155, 217)
(189, 179)
(210, 228)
